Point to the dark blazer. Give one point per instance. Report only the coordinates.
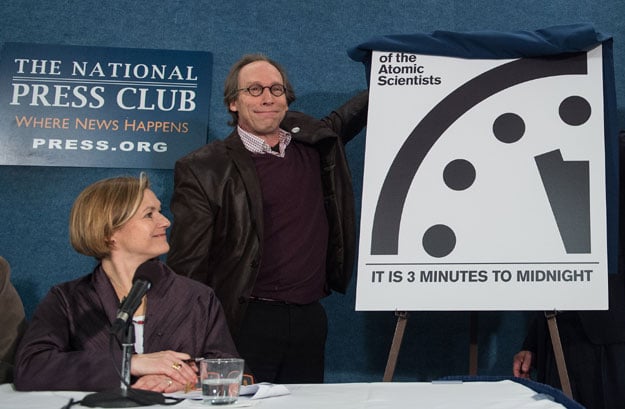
(217, 231)
(66, 346)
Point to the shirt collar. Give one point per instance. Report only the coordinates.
(256, 144)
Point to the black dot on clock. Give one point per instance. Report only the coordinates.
(508, 127)
(459, 174)
(574, 110)
(439, 240)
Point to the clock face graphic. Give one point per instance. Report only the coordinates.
(489, 179)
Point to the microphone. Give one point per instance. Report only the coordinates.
(125, 396)
(130, 303)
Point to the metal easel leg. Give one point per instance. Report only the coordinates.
(402, 317)
(559, 353)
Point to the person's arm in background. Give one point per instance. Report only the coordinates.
(12, 322)
(522, 361)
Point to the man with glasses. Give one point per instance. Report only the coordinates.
(266, 218)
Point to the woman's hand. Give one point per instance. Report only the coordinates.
(158, 383)
(168, 364)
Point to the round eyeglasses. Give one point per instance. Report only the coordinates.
(257, 90)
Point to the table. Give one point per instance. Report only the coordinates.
(505, 394)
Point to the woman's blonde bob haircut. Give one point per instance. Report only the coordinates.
(101, 209)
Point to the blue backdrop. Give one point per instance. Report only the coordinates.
(311, 39)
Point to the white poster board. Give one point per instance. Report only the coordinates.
(484, 184)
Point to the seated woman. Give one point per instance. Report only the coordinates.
(67, 346)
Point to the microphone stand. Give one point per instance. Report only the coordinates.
(125, 396)
(127, 348)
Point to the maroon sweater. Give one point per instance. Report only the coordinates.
(296, 227)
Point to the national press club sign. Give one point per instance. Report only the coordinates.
(101, 107)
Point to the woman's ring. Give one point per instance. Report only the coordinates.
(169, 382)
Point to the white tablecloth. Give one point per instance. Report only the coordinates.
(393, 395)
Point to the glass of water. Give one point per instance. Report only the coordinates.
(221, 380)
